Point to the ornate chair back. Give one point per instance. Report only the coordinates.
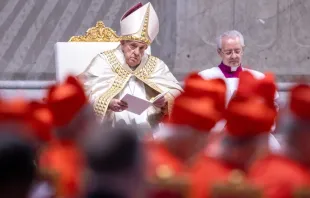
(74, 56)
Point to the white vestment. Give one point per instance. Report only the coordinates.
(108, 76)
(232, 85)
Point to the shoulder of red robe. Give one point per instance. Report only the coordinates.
(66, 100)
(29, 119)
(300, 101)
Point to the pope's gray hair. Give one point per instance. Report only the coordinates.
(231, 34)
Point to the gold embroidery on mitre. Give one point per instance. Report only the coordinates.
(144, 36)
(236, 186)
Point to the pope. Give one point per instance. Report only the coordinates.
(130, 70)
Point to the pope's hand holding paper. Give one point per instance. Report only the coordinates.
(137, 105)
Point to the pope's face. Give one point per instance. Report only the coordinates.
(231, 52)
(133, 51)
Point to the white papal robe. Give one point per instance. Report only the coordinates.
(232, 85)
(108, 76)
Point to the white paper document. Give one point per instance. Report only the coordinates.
(137, 105)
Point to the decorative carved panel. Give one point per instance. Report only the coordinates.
(99, 33)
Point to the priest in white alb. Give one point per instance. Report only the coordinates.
(230, 48)
(129, 70)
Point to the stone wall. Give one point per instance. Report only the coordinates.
(276, 33)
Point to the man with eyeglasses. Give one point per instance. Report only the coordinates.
(230, 47)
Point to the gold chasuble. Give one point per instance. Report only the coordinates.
(108, 76)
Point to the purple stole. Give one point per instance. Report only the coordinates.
(228, 72)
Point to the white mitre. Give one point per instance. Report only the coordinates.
(140, 23)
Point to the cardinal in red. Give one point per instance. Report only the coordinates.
(176, 160)
(72, 118)
(285, 173)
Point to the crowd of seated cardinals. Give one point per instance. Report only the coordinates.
(57, 147)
